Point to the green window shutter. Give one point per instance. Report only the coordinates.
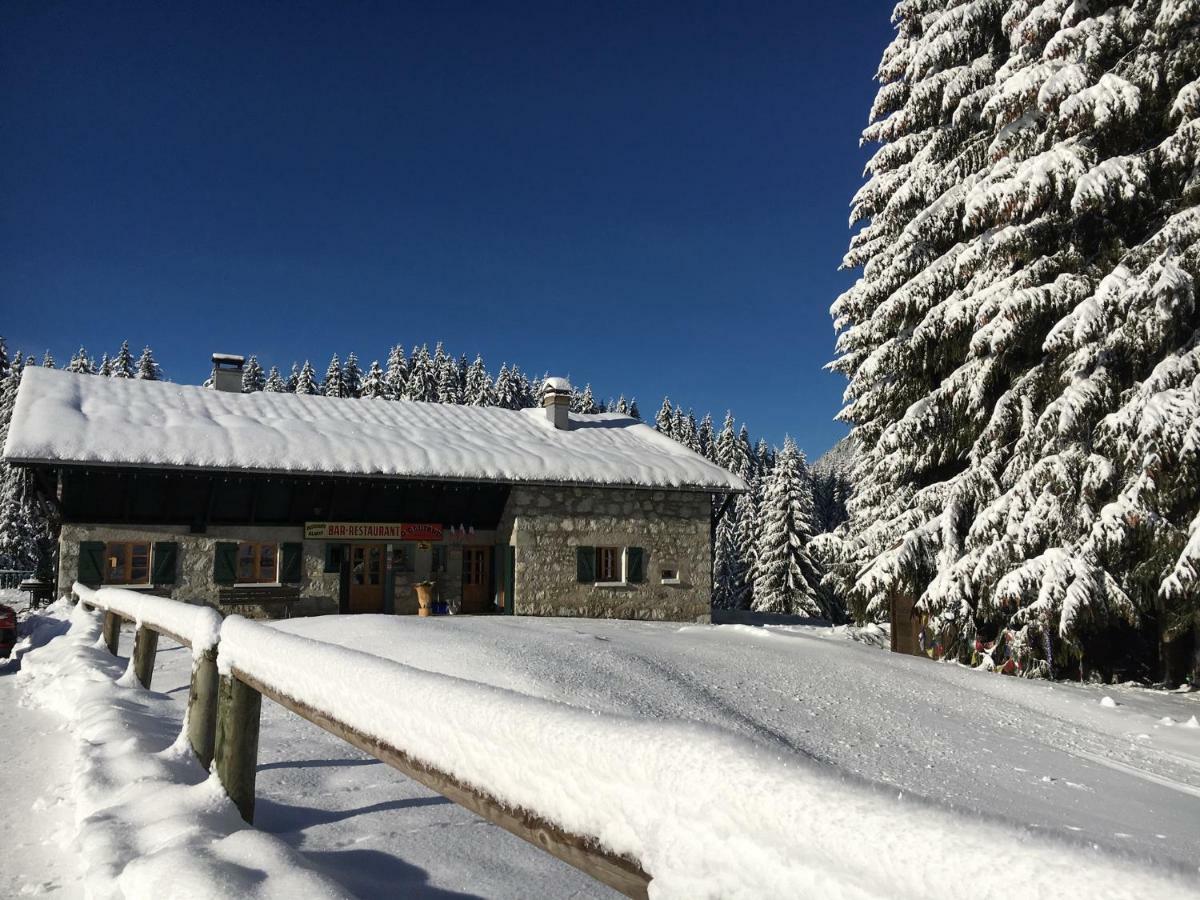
(635, 568)
(333, 558)
(585, 565)
(165, 561)
(91, 563)
(291, 557)
(225, 562)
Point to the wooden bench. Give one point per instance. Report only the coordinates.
(281, 597)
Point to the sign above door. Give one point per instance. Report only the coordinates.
(372, 531)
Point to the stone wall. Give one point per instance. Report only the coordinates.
(194, 576)
(547, 524)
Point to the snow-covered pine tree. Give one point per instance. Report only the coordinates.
(395, 376)
(583, 401)
(122, 364)
(47, 360)
(621, 406)
(478, 389)
(421, 385)
(507, 391)
(253, 379)
(785, 578)
(81, 363)
(1029, 267)
(25, 536)
(105, 369)
(306, 380)
(333, 386)
(5, 365)
(374, 386)
(664, 419)
(147, 368)
(634, 412)
(351, 376)
(705, 440)
(448, 388)
(293, 380)
(274, 383)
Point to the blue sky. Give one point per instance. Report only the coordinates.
(649, 197)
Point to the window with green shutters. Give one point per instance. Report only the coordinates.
(610, 565)
(291, 563)
(91, 563)
(635, 568)
(585, 565)
(164, 562)
(225, 562)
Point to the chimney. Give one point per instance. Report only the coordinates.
(227, 372)
(556, 400)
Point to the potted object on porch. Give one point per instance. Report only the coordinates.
(424, 598)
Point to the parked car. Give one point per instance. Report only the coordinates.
(8, 630)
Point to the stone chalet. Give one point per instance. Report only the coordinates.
(273, 504)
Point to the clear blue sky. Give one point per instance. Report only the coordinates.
(648, 196)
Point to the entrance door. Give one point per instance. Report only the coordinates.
(476, 571)
(366, 578)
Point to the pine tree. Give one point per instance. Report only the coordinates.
(105, 369)
(634, 412)
(147, 369)
(620, 406)
(1027, 297)
(293, 380)
(26, 541)
(253, 379)
(583, 401)
(81, 363)
(122, 364)
(274, 383)
(395, 378)
(478, 389)
(374, 385)
(664, 421)
(421, 385)
(507, 391)
(705, 439)
(351, 377)
(306, 380)
(5, 365)
(448, 388)
(333, 386)
(47, 360)
(785, 579)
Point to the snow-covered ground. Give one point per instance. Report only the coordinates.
(1037, 757)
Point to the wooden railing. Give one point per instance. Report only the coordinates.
(224, 714)
(195, 627)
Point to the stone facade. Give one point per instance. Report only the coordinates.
(547, 524)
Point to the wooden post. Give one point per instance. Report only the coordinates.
(236, 752)
(145, 647)
(112, 632)
(202, 707)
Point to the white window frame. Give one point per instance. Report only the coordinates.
(622, 564)
(670, 567)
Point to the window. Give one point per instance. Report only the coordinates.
(669, 576)
(608, 564)
(127, 563)
(403, 558)
(439, 559)
(257, 563)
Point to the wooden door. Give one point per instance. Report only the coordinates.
(477, 569)
(366, 578)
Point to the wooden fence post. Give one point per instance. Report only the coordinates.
(236, 753)
(145, 647)
(202, 707)
(112, 632)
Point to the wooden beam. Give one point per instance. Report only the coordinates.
(235, 754)
(202, 707)
(112, 632)
(145, 648)
(618, 872)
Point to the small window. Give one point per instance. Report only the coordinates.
(127, 563)
(439, 559)
(669, 576)
(257, 563)
(403, 558)
(608, 564)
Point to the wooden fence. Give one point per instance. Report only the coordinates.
(223, 722)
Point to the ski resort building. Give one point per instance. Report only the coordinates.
(276, 504)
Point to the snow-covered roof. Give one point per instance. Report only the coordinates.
(61, 417)
(557, 383)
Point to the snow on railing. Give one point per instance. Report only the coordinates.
(197, 627)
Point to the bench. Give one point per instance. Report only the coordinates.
(281, 597)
